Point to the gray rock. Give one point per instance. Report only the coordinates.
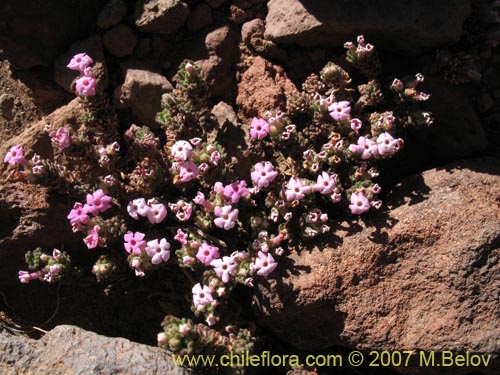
(421, 276)
(141, 92)
(112, 14)
(161, 16)
(200, 17)
(71, 350)
(406, 27)
(92, 47)
(120, 41)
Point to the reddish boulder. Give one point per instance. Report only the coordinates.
(421, 276)
(263, 87)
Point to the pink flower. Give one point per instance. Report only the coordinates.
(295, 189)
(137, 207)
(376, 189)
(195, 141)
(188, 171)
(215, 157)
(203, 167)
(336, 197)
(181, 236)
(264, 264)
(259, 128)
(85, 86)
(25, 277)
(15, 156)
(202, 295)
(235, 191)
(263, 175)
(359, 203)
(97, 202)
(92, 240)
(387, 145)
(206, 253)
(158, 251)
(61, 137)
(80, 62)
(156, 213)
(184, 210)
(181, 150)
(200, 199)
(325, 183)
(78, 215)
(356, 124)
(226, 217)
(219, 188)
(339, 111)
(366, 147)
(134, 242)
(224, 268)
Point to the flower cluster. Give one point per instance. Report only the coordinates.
(145, 254)
(45, 267)
(81, 217)
(190, 158)
(227, 215)
(85, 84)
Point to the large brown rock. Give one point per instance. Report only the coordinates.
(422, 276)
(120, 41)
(141, 92)
(161, 16)
(71, 350)
(407, 27)
(263, 87)
(221, 45)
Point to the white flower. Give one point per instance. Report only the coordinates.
(264, 264)
(226, 217)
(202, 295)
(158, 251)
(137, 207)
(224, 267)
(181, 150)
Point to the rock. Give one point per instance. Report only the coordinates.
(92, 47)
(223, 42)
(221, 45)
(112, 14)
(7, 106)
(120, 41)
(33, 33)
(215, 3)
(263, 87)
(141, 92)
(224, 113)
(29, 217)
(200, 17)
(485, 102)
(410, 27)
(456, 132)
(69, 349)
(252, 29)
(237, 15)
(161, 16)
(252, 34)
(422, 276)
